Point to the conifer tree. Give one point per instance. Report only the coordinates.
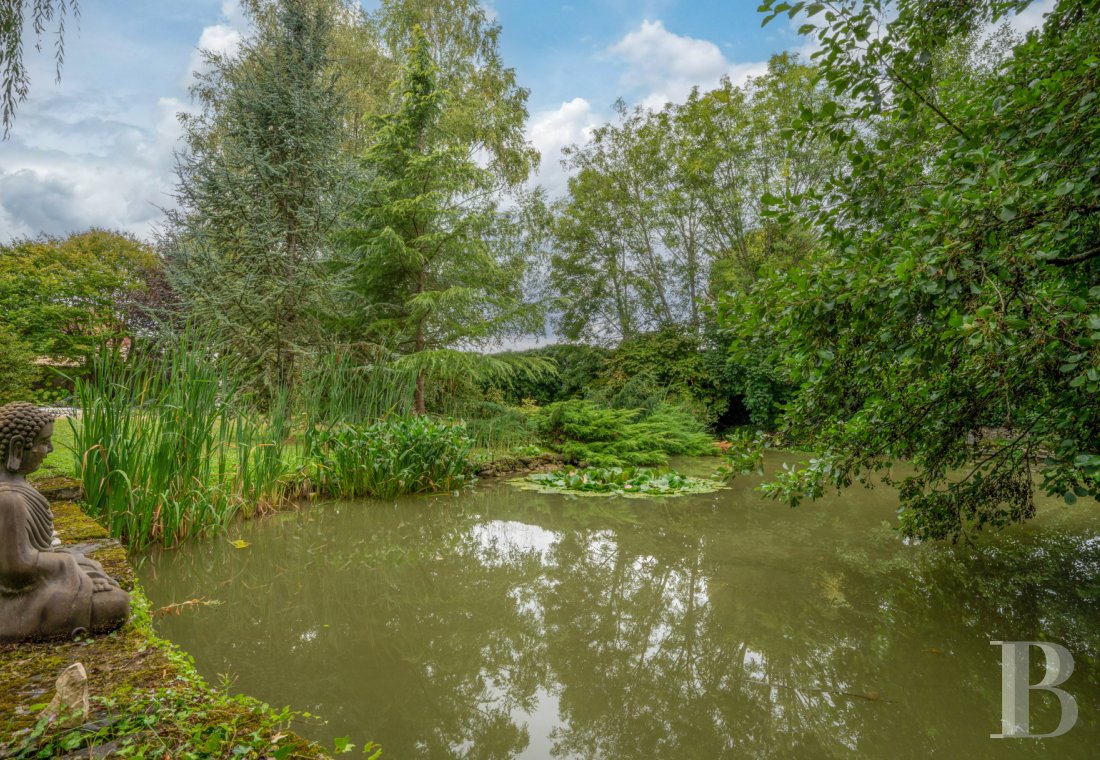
(431, 259)
(259, 188)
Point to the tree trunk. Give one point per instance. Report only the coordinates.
(418, 397)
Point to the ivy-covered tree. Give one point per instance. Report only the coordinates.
(259, 190)
(432, 262)
(959, 286)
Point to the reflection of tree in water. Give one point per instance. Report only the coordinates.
(681, 639)
(413, 626)
(688, 629)
(656, 656)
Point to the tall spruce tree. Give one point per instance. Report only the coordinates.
(431, 259)
(259, 190)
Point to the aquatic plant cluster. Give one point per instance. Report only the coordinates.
(167, 451)
(620, 481)
(391, 457)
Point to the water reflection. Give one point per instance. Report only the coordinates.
(501, 624)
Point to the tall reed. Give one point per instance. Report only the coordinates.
(166, 449)
(335, 389)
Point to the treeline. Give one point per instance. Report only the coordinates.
(665, 209)
(886, 252)
(355, 184)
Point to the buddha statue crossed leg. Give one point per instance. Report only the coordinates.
(45, 591)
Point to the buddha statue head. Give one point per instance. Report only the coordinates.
(25, 432)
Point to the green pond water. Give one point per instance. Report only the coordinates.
(500, 623)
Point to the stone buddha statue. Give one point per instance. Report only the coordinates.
(45, 591)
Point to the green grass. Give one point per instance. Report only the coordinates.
(61, 462)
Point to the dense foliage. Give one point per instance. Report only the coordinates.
(664, 208)
(664, 366)
(394, 456)
(17, 370)
(576, 366)
(584, 432)
(959, 282)
(65, 298)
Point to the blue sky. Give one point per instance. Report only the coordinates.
(97, 149)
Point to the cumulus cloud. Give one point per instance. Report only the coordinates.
(222, 38)
(84, 156)
(74, 168)
(664, 67)
(550, 131)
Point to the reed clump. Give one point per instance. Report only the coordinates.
(170, 446)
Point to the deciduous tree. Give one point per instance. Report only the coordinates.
(64, 298)
(960, 283)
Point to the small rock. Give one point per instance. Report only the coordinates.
(70, 704)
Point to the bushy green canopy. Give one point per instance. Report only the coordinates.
(959, 285)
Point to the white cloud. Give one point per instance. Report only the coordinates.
(222, 38)
(550, 131)
(82, 155)
(664, 66)
(78, 170)
(490, 9)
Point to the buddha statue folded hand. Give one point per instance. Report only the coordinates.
(46, 591)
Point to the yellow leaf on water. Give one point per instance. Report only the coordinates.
(240, 543)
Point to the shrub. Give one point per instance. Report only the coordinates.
(583, 431)
(17, 370)
(577, 366)
(657, 367)
(395, 456)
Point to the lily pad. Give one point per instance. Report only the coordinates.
(618, 481)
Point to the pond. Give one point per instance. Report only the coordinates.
(510, 624)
